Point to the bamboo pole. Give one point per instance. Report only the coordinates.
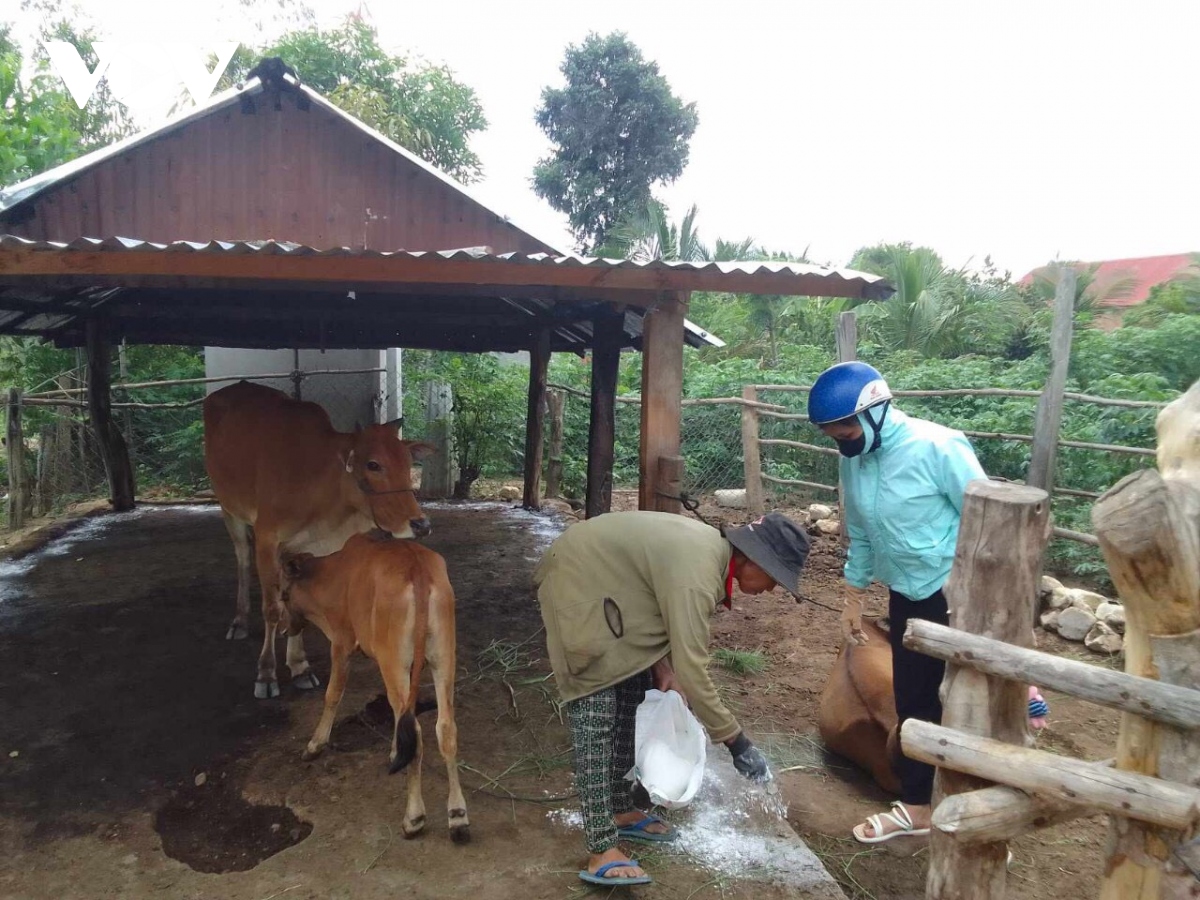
(992, 591)
(1166, 703)
(832, 488)
(1149, 531)
(799, 445)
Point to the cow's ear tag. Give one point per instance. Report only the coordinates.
(350, 461)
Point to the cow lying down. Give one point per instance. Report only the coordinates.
(857, 718)
(393, 599)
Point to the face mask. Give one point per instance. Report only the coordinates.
(852, 447)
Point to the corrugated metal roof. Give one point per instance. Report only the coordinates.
(870, 286)
(26, 190)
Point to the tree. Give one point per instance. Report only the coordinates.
(43, 127)
(617, 131)
(422, 107)
(1091, 292)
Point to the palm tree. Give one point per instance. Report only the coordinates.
(1091, 293)
(648, 235)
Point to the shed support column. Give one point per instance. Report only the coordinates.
(609, 330)
(662, 393)
(113, 450)
(539, 361)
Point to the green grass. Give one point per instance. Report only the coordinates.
(741, 662)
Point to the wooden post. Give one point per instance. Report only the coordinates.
(847, 336)
(847, 351)
(608, 329)
(993, 591)
(751, 458)
(15, 442)
(535, 417)
(113, 450)
(1149, 531)
(1050, 405)
(670, 483)
(555, 401)
(437, 470)
(662, 390)
(42, 500)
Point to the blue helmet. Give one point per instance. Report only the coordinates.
(844, 390)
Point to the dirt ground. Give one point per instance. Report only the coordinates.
(134, 760)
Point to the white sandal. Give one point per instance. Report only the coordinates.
(899, 818)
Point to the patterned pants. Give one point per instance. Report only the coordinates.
(602, 727)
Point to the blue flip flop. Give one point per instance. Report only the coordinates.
(637, 831)
(598, 876)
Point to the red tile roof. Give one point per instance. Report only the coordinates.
(1146, 271)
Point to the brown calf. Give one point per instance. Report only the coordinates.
(278, 467)
(393, 599)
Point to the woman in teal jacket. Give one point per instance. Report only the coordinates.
(903, 481)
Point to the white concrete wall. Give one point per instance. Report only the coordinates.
(350, 400)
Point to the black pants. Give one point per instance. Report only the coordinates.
(916, 679)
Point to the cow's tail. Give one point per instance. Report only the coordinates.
(407, 737)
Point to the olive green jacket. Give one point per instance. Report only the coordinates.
(621, 591)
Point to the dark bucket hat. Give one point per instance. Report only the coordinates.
(777, 544)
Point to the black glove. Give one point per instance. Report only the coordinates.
(749, 760)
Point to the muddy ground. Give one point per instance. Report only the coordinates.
(134, 760)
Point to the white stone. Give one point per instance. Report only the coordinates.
(1049, 586)
(201, 778)
(1059, 598)
(510, 492)
(829, 526)
(1049, 619)
(1102, 639)
(1086, 599)
(731, 498)
(1112, 615)
(819, 511)
(1074, 623)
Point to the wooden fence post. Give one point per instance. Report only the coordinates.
(669, 483)
(1148, 525)
(535, 418)
(751, 459)
(45, 461)
(555, 401)
(437, 471)
(1050, 405)
(113, 449)
(993, 591)
(847, 336)
(15, 440)
(847, 351)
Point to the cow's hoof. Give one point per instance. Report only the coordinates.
(415, 827)
(237, 632)
(310, 752)
(266, 690)
(307, 681)
(460, 834)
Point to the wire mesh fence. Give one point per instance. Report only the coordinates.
(162, 424)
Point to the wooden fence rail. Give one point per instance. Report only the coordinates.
(991, 788)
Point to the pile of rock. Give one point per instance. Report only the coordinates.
(1079, 615)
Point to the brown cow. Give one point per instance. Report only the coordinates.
(393, 599)
(857, 719)
(278, 466)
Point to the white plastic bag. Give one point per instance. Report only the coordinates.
(669, 749)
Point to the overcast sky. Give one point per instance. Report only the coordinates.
(1025, 130)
